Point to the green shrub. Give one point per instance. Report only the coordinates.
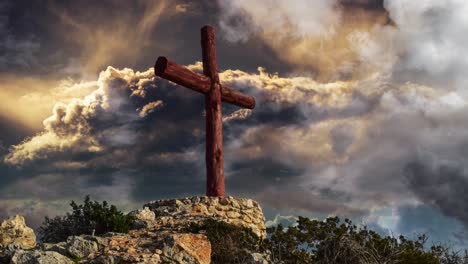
(230, 244)
(331, 241)
(335, 242)
(320, 242)
(84, 218)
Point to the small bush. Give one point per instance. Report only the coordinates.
(317, 242)
(84, 218)
(230, 244)
(335, 242)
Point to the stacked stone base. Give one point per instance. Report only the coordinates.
(179, 213)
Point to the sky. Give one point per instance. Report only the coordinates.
(360, 108)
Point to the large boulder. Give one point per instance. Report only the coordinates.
(7, 252)
(146, 246)
(60, 247)
(143, 217)
(14, 231)
(187, 248)
(144, 214)
(39, 257)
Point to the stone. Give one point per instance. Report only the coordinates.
(233, 214)
(248, 203)
(106, 260)
(246, 219)
(199, 208)
(39, 257)
(258, 258)
(144, 214)
(7, 252)
(224, 201)
(257, 220)
(80, 247)
(222, 214)
(14, 231)
(235, 204)
(187, 248)
(59, 247)
(144, 217)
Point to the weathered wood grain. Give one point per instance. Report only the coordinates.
(179, 74)
(214, 124)
(215, 94)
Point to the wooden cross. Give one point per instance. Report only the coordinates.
(209, 85)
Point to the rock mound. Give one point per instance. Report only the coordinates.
(160, 235)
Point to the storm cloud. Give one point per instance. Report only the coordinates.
(360, 108)
(335, 143)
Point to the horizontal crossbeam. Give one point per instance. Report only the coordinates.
(181, 75)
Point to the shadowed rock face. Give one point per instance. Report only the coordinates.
(37, 256)
(80, 247)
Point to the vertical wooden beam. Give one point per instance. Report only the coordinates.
(214, 124)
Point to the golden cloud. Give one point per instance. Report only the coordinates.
(321, 38)
(113, 38)
(28, 100)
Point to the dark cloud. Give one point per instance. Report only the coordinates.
(248, 177)
(342, 138)
(17, 51)
(344, 128)
(440, 185)
(82, 38)
(365, 4)
(12, 132)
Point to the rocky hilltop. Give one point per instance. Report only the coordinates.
(159, 236)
